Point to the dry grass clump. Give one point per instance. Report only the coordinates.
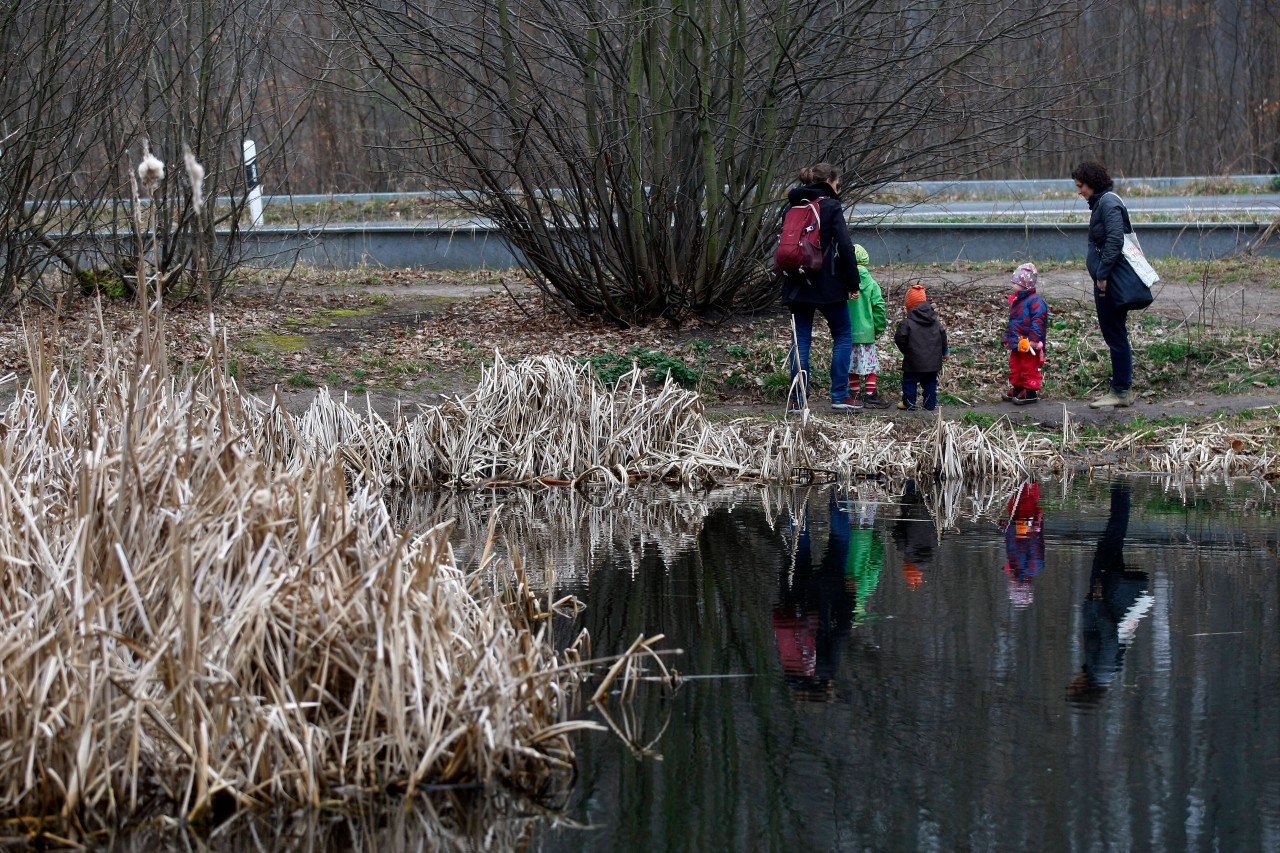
(543, 420)
(550, 421)
(194, 619)
(1210, 448)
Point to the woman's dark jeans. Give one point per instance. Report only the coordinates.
(1112, 322)
(837, 317)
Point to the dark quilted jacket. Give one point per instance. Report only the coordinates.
(922, 339)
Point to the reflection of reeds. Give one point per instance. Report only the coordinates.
(192, 618)
(570, 530)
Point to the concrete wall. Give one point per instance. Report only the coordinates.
(474, 247)
(944, 243)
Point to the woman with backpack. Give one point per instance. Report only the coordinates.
(826, 290)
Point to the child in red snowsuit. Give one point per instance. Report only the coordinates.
(1024, 337)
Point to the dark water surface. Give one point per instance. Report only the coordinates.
(1083, 667)
(1098, 669)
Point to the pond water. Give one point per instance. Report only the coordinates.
(1099, 669)
(1074, 666)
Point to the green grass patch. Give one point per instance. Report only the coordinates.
(984, 420)
(610, 367)
(280, 343)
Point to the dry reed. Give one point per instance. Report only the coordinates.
(202, 610)
(207, 603)
(550, 422)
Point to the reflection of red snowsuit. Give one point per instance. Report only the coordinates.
(1024, 536)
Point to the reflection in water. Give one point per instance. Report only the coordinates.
(1024, 543)
(866, 554)
(815, 612)
(915, 536)
(443, 821)
(1118, 598)
(945, 726)
(571, 530)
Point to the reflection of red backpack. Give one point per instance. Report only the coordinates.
(800, 246)
(797, 639)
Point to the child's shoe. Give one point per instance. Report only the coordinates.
(1010, 395)
(846, 404)
(874, 401)
(904, 407)
(1025, 397)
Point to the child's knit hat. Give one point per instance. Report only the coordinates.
(915, 295)
(1025, 277)
(912, 575)
(861, 256)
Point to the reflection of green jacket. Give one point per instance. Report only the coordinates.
(866, 559)
(867, 311)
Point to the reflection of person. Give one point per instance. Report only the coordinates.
(914, 536)
(866, 556)
(827, 292)
(1117, 600)
(1106, 240)
(1024, 542)
(815, 612)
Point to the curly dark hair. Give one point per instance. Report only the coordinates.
(1093, 175)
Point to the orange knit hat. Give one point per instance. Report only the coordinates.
(915, 295)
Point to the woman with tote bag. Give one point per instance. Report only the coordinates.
(1117, 289)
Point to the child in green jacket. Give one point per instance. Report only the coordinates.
(867, 314)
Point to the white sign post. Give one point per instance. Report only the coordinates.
(251, 181)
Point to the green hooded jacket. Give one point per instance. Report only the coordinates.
(867, 312)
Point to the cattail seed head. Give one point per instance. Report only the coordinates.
(195, 174)
(151, 169)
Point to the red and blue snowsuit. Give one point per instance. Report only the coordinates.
(1028, 318)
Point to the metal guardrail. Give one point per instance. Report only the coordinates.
(1000, 188)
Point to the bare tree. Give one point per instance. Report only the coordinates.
(84, 86)
(198, 70)
(54, 94)
(634, 152)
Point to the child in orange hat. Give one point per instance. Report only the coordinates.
(922, 338)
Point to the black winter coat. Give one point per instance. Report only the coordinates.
(922, 339)
(839, 279)
(1106, 232)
